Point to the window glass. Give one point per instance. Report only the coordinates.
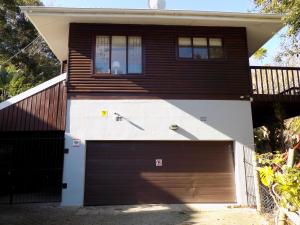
(102, 54)
(185, 47)
(215, 48)
(134, 54)
(198, 41)
(118, 55)
(200, 50)
(215, 42)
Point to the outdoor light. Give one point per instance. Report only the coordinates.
(118, 117)
(174, 127)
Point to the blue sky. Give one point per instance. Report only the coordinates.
(204, 5)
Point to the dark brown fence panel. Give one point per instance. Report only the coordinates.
(44, 111)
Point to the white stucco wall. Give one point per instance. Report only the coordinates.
(150, 120)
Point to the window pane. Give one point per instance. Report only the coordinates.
(102, 54)
(200, 42)
(200, 53)
(215, 48)
(200, 48)
(185, 47)
(215, 42)
(216, 52)
(134, 55)
(118, 55)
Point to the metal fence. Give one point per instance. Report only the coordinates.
(249, 174)
(31, 166)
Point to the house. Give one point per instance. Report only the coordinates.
(160, 104)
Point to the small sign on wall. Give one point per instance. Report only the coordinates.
(104, 113)
(158, 162)
(76, 143)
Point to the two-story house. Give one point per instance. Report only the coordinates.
(158, 106)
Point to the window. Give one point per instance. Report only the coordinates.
(118, 55)
(215, 48)
(200, 48)
(185, 48)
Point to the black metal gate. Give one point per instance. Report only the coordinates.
(31, 165)
(249, 173)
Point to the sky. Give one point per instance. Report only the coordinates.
(202, 5)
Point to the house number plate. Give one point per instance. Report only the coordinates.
(158, 162)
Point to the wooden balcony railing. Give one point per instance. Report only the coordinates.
(281, 82)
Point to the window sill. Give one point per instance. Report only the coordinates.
(201, 60)
(110, 76)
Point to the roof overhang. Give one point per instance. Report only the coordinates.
(53, 22)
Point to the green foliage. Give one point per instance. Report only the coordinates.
(266, 175)
(283, 180)
(288, 187)
(289, 52)
(260, 54)
(288, 8)
(293, 125)
(31, 66)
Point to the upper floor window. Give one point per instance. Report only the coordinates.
(200, 48)
(118, 55)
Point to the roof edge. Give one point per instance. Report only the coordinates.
(32, 91)
(67, 10)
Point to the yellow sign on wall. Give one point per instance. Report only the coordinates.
(104, 113)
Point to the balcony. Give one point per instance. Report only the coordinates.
(274, 85)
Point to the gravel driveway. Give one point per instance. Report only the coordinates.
(52, 214)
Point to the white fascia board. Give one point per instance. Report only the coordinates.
(144, 12)
(33, 91)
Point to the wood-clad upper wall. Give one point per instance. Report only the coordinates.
(164, 75)
(43, 111)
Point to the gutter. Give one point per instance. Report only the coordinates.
(182, 14)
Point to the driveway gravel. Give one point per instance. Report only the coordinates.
(53, 214)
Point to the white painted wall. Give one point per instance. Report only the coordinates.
(150, 120)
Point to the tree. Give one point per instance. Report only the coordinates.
(289, 52)
(288, 8)
(260, 54)
(32, 65)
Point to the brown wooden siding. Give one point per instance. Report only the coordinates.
(125, 172)
(44, 111)
(164, 75)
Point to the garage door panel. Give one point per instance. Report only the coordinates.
(185, 165)
(124, 172)
(175, 183)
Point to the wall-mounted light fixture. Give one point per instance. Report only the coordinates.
(173, 127)
(118, 117)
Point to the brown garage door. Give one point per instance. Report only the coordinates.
(133, 172)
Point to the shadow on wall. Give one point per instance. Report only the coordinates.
(186, 134)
